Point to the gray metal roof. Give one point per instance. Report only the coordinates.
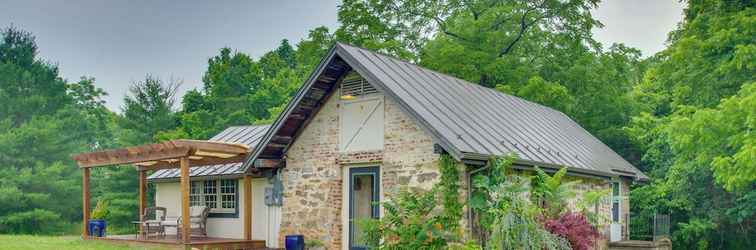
(474, 122)
(248, 135)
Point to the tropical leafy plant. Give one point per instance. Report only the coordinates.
(551, 192)
(511, 218)
(484, 187)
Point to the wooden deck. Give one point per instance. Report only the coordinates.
(170, 242)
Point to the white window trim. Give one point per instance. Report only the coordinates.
(618, 199)
(199, 195)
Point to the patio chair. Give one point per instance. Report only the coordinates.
(152, 222)
(197, 221)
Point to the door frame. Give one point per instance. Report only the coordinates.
(346, 203)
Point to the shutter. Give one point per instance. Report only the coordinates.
(362, 125)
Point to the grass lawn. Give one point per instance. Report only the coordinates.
(8, 242)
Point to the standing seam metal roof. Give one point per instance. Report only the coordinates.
(248, 135)
(471, 121)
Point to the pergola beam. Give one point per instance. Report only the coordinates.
(118, 157)
(212, 146)
(170, 150)
(200, 162)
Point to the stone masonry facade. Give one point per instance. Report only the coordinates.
(313, 176)
(604, 209)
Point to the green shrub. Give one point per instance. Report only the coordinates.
(313, 244)
(31, 222)
(413, 219)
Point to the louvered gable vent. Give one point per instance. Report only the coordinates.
(354, 85)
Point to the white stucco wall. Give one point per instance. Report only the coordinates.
(265, 220)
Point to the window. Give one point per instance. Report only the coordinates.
(219, 195)
(616, 197)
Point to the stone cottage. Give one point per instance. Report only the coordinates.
(365, 124)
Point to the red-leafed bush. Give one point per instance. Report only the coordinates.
(575, 228)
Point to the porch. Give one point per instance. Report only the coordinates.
(181, 155)
(172, 242)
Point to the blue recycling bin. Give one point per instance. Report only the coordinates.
(97, 228)
(295, 242)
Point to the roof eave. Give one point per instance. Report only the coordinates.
(289, 109)
(570, 169)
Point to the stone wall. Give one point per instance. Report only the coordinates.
(313, 176)
(604, 209)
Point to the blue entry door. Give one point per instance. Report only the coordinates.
(364, 196)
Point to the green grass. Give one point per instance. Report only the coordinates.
(14, 242)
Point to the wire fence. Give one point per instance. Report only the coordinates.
(650, 229)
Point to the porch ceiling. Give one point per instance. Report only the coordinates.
(166, 154)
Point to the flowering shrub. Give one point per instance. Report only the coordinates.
(575, 228)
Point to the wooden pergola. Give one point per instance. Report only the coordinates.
(171, 154)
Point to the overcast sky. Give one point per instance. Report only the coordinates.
(118, 42)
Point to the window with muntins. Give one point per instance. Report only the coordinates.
(220, 195)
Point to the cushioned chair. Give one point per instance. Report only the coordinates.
(152, 222)
(197, 221)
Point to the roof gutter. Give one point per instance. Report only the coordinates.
(529, 165)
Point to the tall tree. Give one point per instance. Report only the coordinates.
(239, 90)
(30, 86)
(696, 128)
(43, 120)
(148, 109)
(541, 50)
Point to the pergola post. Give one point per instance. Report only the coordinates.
(247, 207)
(185, 219)
(85, 202)
(142, 196)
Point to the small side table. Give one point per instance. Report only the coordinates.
(139, 229)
